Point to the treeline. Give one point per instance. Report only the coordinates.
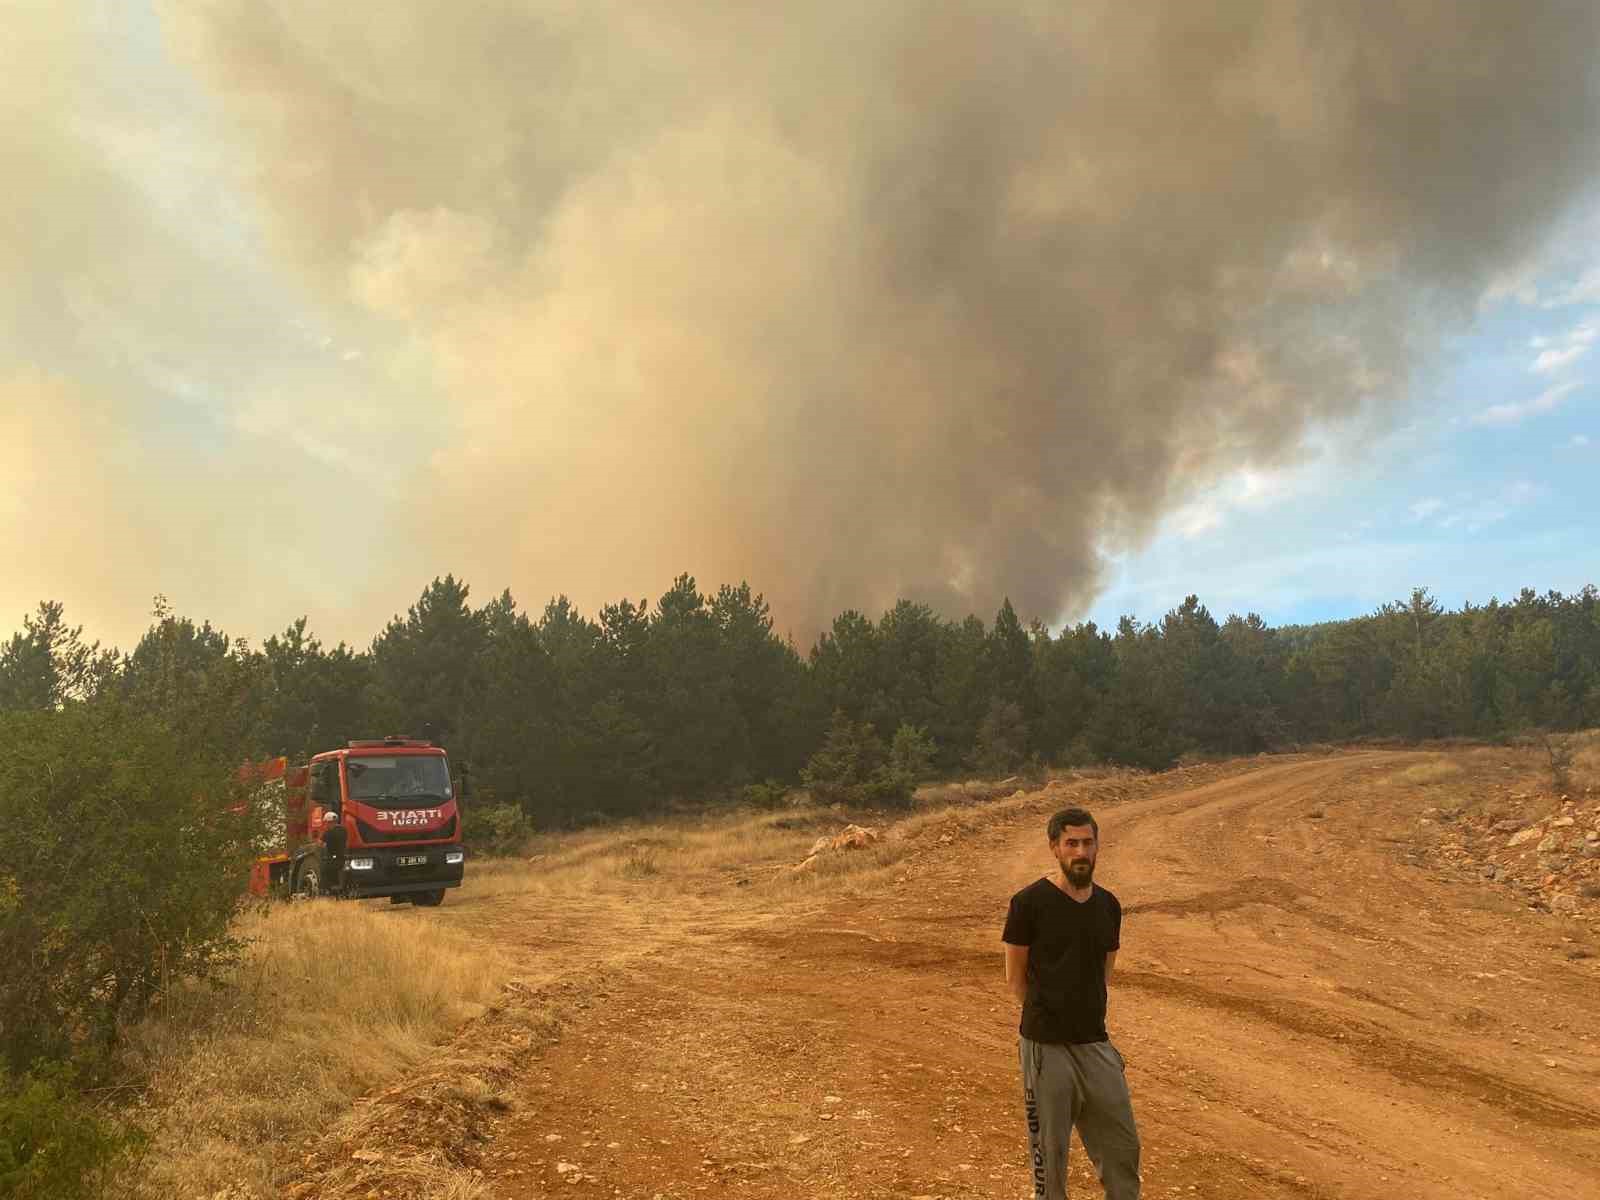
(568, 716)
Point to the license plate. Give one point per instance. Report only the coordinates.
(410, 860)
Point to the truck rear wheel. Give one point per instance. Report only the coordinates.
(428, 899)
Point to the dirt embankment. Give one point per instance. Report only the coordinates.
(1318, 996)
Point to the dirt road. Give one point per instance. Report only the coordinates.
(1303, 1015)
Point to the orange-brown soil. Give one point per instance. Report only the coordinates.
(1308, 1008)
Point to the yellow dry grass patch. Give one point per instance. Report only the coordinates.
(331, 1001)
(415, 1181)
(669, 854)
(1435, 771)
(1585, 770)
(756, 847)
(759, 849)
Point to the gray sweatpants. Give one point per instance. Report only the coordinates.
(1079, 1085)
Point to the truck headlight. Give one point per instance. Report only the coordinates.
(360, 864)
(455, 856)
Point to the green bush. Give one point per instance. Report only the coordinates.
(52, 1146)
(769, 794)
(911, 753)
(125, 859)
(495, 828)
(837, 773)
(853, 767)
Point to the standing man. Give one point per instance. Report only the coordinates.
(1062, 935)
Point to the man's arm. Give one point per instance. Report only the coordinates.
(1111, 962)
(1017, 971)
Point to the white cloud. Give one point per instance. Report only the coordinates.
(1252, 489)
(1471, 511)
(1554, 360)
(1197, 518)
(1584, 290)
(1556, 353)
(1259, 489)
(1514, 414)
(1578, 441)
(1477, 516)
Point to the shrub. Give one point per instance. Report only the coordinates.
(852, 766)
(887, 788)
(125, 858)
(1559, 751)
(844, 762)
(52, 1147)
(769, 794)
(912, 751)
(495, 828)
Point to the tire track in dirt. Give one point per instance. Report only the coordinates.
(1407, 1061)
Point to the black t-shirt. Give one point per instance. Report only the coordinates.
(1067, 945)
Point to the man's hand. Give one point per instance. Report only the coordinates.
(1017, 971)
(1111, 963)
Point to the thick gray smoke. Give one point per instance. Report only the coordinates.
(861, 301)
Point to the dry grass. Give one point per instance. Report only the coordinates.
(1436, 771)
(641, 864)
(416, 1181)
(1584, 772)
(332, 1001)
(760, 850)
(667, 855)
(1503, 781)
(713, 852)
(754, 848)
(971, 791)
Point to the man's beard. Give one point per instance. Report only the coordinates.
(1079, 872)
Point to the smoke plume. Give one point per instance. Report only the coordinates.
(898, 299)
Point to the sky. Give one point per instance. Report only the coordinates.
(1290, 306)
(1484, 485)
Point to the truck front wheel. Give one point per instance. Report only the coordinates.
(308, 877)
(428, 899)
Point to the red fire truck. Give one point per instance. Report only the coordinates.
(376, 818)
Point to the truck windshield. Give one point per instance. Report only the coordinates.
(400, 779)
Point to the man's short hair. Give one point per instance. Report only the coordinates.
(1073, 817)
